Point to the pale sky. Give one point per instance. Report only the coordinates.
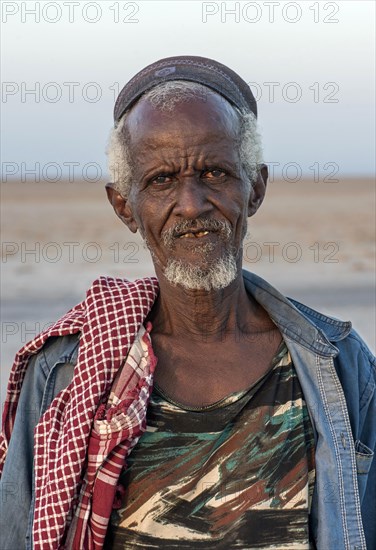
(318, 59)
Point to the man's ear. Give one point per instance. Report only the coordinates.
(258, 190)
(121, 207)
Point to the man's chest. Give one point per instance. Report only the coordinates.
(238, 474)
(203, 374)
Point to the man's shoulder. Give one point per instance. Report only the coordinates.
(337, 331)
(316, 331)
(333, 328)
(64, 348)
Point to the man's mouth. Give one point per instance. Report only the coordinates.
(193, 234)
(203, 229)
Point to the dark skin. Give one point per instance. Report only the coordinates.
(186, 166)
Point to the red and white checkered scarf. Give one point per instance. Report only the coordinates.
(84, 437)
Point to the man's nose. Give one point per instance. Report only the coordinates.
(192, 198)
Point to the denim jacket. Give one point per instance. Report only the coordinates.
(337, 373)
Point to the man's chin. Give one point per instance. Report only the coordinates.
(192, 276)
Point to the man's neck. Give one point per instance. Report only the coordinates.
(179, 312)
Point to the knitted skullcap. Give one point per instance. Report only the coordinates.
(205, 71)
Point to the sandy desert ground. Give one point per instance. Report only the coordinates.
(313, 241)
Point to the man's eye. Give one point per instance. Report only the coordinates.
(161, 179)
(215, 173)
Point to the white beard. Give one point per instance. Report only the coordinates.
(218, 275)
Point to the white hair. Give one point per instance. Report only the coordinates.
(165, 96)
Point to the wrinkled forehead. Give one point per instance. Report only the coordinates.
(208, 118)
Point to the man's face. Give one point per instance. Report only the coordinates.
(189, 194)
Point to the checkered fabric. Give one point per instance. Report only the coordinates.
(82, 441)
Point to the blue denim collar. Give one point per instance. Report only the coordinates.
(306, 326)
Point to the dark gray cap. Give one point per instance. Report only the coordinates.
(205, 71)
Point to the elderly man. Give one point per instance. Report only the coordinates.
(201, 408)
